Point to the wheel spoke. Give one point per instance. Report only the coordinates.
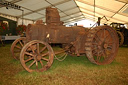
(98, 58)
(41, 63)
(38, 48)
(106, 37)
(101, 34)
(109, 47)
(94, 48)
(109, 51)
(110, 43)
(31, 63)
(28, 59)
(104, 34)
(100, 52)
(96, 40)
(95, 52)
(32, 48)
(45, 59)
(44, 54)
(18, 47)
(95, 44)
(99, 55)
(97, 37)
(29, 54)
(43, 49)
(29, 49)
(37, 65)
(21, 43)
(105, 53)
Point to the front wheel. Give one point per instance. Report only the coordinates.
(101, 45)
(36, 56)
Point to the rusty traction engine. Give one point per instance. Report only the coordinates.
(100, 44)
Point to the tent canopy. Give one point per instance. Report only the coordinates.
(71, 10)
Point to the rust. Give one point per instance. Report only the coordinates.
(100, 44)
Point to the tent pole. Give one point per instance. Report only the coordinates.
(22, 16)
(94, 9)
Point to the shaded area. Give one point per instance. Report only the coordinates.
(12, 26)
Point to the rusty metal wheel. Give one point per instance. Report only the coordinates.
(36, 56)
(101, 45)
(16, 47)
(121, 38)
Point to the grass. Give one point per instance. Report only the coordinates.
(71, 71)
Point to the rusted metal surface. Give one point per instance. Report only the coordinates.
(100, 44)
(53, 17)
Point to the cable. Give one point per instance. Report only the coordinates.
(58, 58)
(22, 16)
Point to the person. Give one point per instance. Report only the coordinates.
(98, 22)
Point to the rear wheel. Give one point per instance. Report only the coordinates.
(101, 45)
(17, 46)
(36, 56)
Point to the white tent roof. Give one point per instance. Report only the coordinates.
(71, 10)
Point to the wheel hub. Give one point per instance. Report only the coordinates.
(105, 45)
(38, 57)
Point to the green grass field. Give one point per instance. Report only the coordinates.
(71, 71)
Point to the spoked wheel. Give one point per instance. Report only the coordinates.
(121, 38)
(36, 56)
(101, 45)
(16, 47)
